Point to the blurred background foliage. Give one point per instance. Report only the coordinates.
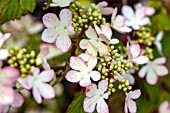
(151, 97)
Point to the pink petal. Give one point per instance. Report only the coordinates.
(43, 52)
(102, 106)
(4, 54)
(106, 30)
(19, 100)
(141, 60)
(65, 16)
(46, 75)
(128, 12)
(91, 90)
(91, 34)
(114, 15)
(85, 82)
(63, 42)
(123, 29)
(36, 95)
(107, 10)
(161, 70)
(26, 82)
(6, 94)
(36, 71)
(46, 90)
(120, 20)
(135, 50)
(45, 64)
(50, 20)
(73, 76)
(151, 77)
(132, 106)
(98, 30)
(102, 4)
(164, 107)
(49, 35)
(160, 60)
(103, 85)
(95, 75)
(90, 103)
(134, 94)
(92, 63)
(77, 63)
(150, 11)
(126, 108)
(143, 71)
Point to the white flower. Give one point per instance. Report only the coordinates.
(60, 3)
(164, 107)
(135, 19)
(158, 44)
(95, 96)
(4, 54)
(104, 9)
(37, 82)
(58, 30)
(118, 23)
(82, 72)
(134, 54)
(129, 103)
(154, 69)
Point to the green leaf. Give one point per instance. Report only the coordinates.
(77, 105)
(14, 9)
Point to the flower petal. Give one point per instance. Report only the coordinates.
(141, 60)
(92, 63)
(132, 106)
(159, 36)
(160, 60)
(102, 4)
(120, 20)
(102, 106)
(106, 30)
(36, 95)
(85, 82)
(144, 21)
(135, 50)
(91, 49)
(91, 90)
(4, 54)
(49, 35)
(83, 43)
(90, 103)
(103, 49)
(77, 63)
(134, 94)
(19, 100)
(107, 10)
(46, 75)
(50, 20)
(26, 82)
(103, 85)
(114, 41)
(95, 75)
(128, 12)
(91, 34)
(161, 70)
(151, 77)
(73, 76)
(65, 16)
(143, 71)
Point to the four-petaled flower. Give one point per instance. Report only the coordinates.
(135, 19)
(134, 54)
(154, 69)
(37, 82)
(129, 103)
(82, 71)
(58, 31)
(60, 3)
(104, 9)
(118, 23)
(95, 96)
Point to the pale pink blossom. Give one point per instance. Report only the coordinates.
(60, 3)
(8, 76)
(135, 19)
(158, 43)
(134, 56)
(58, 30)
(38, 84)
(106, 33)
(164, 107)
(82, 72)
(118, 23)
(104, 9)
(131, 104)
(4, 54)
(95, 97)
(149, 11)
(153, 70)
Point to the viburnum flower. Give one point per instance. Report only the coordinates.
(158, 43)
(60, 3)
(135, 19)
(118, 23)
(134, 54)
(104, 9)
(164, 107)
(95, 96)
(106, 33)
(149, 11)
(82, 72)
(154, 69)
(3, 52)
(58, 30)
(129, 103)
(8, 75)
(38, 84)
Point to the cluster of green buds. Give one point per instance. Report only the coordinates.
(149, 53)
(111, 65)
(123, 51)
(23, 60)
(85, 18)
(124, 85)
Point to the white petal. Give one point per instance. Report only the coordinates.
(85, 82)
(160, 60)
(83, 43)
(159, 36)
(85, 56)
(77, 63)
(141, 60)
(102, 106)
(126, 108)
(49, 35)
(143, 71)
(113, 16)
(95, 75)
(144, 21)
(139, 14)
(135, 50)
(128, 12)
(91, 90)
(73, 76)
(26, 82)
(103, 85)
(134, 94)
(151, 77)
(132, 106)
(107, 11)
(90, 103)
(50, 20)
(103, 49)
(4, 54)
(45, 64)
(114, 41)
(92, 63)
(65, 16)
(46, 75)
(36, 95)
(102, 4)
(106, 30)
(91, 34)
(159, 47)
(120, 20)
(161, 70)
(91, 49)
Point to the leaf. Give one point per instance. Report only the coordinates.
(14, 9)
(77, 105)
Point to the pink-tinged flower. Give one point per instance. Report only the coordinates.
(95, 41)
(149, 11)
(82, 71)
(95, 96)
(104, 9)
(118, 23)
(134, 54)
(129, 103)
(158, 44)
(38, 84)
(60, 3)
(164, 107)
(154, 69)
(58, 30)
(4, 54)
(106, 33)
(135, 19)
(8, 76)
